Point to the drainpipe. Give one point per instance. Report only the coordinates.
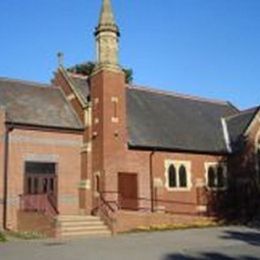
(8, 129)
(151, 179)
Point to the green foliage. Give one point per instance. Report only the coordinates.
(2, 238)
(26, 235)
(128, 75)
(84, 69)
(87, 68)
(203, 223)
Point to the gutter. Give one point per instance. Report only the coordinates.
(8, 129)
(151, 179)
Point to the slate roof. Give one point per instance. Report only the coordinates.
(167, 121)
(238, 124)
(36, 104)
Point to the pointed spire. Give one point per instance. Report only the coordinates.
(106, 15)
(107, 20)
(107, 38)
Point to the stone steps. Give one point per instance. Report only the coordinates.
(81, 226)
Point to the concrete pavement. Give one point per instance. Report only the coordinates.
(211, 243)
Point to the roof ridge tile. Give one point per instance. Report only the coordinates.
(27, 82)
(186, 96)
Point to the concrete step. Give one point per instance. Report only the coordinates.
(76, 218)
(85, 228)
(80, 223)
(86, 233)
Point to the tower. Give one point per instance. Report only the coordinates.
(108, 91)
(107, 37)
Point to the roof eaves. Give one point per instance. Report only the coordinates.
(176, 149)
(38, 126)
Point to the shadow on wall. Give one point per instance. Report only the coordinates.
(241, 200)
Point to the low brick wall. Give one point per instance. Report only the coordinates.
(127, 220)
(35, 222)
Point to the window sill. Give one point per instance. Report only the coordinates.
(179, 189)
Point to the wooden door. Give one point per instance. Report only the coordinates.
(128, 191)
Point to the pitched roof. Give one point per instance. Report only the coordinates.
(175, 122)
(36, 104)
(237, 125)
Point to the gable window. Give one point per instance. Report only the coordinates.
(216, 175)
(177, 174)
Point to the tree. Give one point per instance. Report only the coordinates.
(87, 68)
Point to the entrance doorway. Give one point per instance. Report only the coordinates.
(41, 178)
(128, 191)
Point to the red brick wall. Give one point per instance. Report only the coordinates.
(62, 148)
(36, 222)
(2, 135)
(111, 155)
(243, 164)
(127, 221)
(109, 146)
(85, 195)
(60, 81)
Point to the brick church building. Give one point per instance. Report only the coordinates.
(92, 154)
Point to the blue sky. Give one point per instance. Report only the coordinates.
(208, 48)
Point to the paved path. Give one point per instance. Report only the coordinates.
(211, 243)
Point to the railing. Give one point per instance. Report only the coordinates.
(43, 203)
(107, 213)
(143, 204)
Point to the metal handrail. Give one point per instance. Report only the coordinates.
(38, 203)
(107, 213)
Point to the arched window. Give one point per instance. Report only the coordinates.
(178, 175)
(217, 176)
(211, 177)
(220, 177)
(182, 177)
(172, 177)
